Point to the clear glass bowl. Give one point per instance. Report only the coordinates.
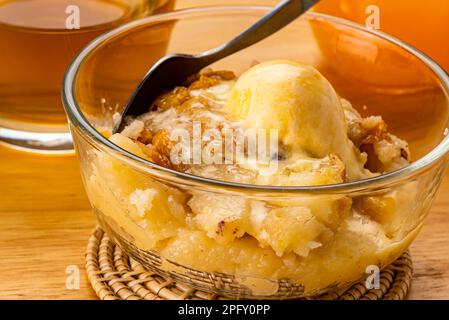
(369, 222)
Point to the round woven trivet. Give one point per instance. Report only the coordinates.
(114, 276)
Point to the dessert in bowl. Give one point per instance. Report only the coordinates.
(341, 187)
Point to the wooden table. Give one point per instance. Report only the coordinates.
(45, 221)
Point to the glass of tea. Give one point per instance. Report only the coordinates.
(38, 39)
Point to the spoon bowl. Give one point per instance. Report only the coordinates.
(174, 69)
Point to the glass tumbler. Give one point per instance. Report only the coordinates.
(419, 25)
(38, 39)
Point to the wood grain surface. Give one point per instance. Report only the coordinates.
(45, 221)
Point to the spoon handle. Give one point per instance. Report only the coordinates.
(284, 13)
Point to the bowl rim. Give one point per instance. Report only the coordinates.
(77, 118)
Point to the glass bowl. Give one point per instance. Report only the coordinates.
(148, 209)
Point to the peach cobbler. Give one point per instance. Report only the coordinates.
(310, 238)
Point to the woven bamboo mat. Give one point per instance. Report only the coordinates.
(114, 276)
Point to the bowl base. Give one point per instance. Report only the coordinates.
(119, 277)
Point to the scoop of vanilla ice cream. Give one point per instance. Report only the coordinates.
(302, 105)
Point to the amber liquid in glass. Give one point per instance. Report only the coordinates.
(421, 24)
(36, 47)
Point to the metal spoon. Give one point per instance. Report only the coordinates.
(174, 69)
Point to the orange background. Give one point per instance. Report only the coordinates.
(423, 24)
